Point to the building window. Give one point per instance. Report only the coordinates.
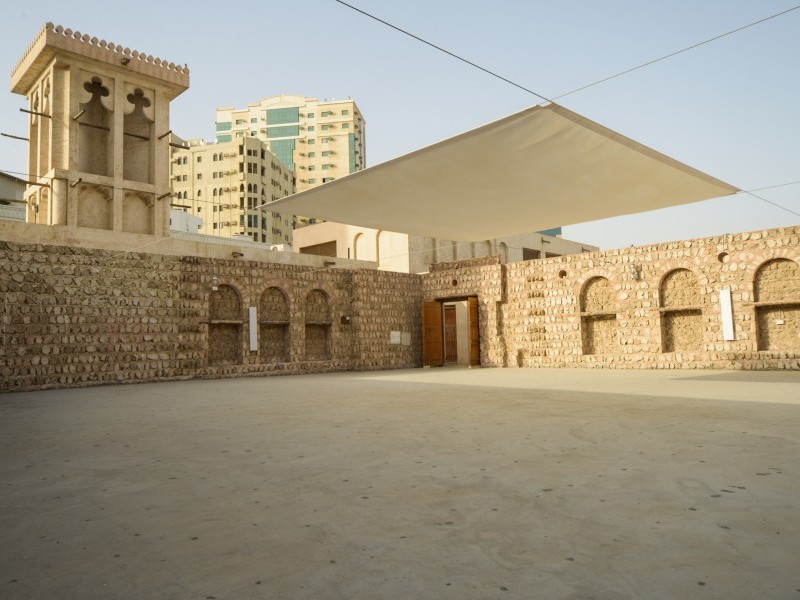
(326, 153)
(345, 112)
(326, 127)
(311, 128)
(254, 120)
(326, 113)
(199, 175)
(312, 181)
(345, 125)
(240, 121)
(310, 115)
(325, 167)
(312, 141)
(327, 179)
(311, 168)
(312, 154)
(199, 159)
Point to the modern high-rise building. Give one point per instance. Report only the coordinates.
(320, 140)
(230, 185)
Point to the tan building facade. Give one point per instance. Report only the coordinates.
(98, 125)
(321, 140)
(12, 193)
(229, 185)
(406, 253)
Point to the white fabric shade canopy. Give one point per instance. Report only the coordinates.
(540, 168)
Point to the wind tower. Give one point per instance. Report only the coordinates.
(98, 125)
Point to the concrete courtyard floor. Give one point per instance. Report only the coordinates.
(434, 483)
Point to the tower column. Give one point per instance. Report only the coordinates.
(59, 196)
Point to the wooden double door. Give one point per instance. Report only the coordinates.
(439, 332)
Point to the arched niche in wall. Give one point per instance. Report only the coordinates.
(681, 312)
(317, 326)
(225, 326)
(360, 247)
(598, 317)
(137, 154)
(776, 289)
(94, 206)
(274, 324)
(35, 104)
(95, 134)
(137, 212)
(481, 249)
(502, 251)
(44, 150)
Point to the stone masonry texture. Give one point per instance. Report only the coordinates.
(649, 307)
(77, 316)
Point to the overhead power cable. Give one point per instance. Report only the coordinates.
(456, 56)
(681, 51)
(789, 210)
(770, 187)
(576, 90)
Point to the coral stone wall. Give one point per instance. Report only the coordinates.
(384, 301)
(486, 279)
(652, 306)
(77, 316)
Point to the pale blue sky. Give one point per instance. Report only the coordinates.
(730, 108)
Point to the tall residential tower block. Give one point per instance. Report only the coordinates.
(320, 140)
(98, 125)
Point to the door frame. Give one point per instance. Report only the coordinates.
(433, 351)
